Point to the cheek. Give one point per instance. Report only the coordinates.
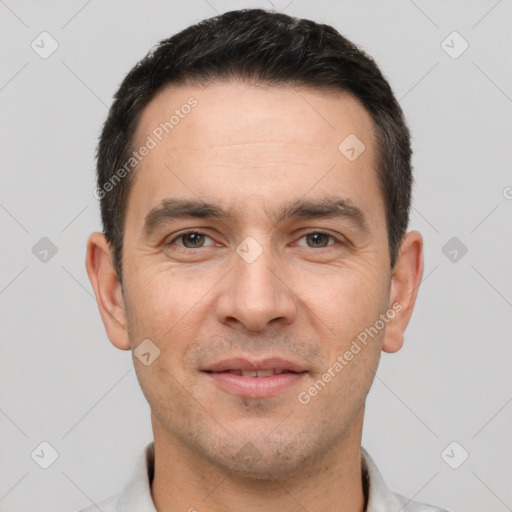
(348, 300)
(168, 308)
(164, 295)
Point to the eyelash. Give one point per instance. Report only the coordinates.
(195, 232)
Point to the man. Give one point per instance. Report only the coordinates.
(254, 176)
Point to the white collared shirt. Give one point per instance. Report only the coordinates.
(136, 495)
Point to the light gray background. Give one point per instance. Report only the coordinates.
(64, 383)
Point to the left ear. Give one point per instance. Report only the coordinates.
(405, 281)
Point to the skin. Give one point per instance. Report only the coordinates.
(253, 149)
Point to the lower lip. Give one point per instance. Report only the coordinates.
(255, 387)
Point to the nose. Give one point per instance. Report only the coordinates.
(256, 295)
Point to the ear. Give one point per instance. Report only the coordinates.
(107, 289)
(405, 281)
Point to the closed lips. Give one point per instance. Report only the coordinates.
(257, 373)
(252, 368)
(251, 378)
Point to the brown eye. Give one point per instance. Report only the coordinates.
(192, 240)
(318, 239)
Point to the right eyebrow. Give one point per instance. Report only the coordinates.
(170, 209)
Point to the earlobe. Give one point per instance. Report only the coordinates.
(405, 281)
(107, 290)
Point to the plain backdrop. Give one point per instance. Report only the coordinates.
(61, 380)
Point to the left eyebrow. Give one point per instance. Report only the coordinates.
(323, 208)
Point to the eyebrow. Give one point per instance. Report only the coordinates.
(325, 208)
(172, 209)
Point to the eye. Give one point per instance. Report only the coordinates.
(318, 239)
(191, 240)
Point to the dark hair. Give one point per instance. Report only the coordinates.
(267, 48)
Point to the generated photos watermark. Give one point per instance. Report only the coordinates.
(152, 142)
(355, 348)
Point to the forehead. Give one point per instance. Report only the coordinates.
(244, 140)
(239, 113)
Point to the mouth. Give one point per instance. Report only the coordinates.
(256, 373)
(255, 379)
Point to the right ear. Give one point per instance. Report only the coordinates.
(107, 289)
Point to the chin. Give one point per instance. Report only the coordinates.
(265, 459)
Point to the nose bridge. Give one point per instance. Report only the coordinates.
(255, 295)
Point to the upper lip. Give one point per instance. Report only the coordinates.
(240, 363)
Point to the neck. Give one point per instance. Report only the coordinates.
(183, 481)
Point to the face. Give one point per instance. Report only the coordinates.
(283, 265)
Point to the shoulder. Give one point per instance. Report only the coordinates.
(136, 494)
(415, 506)
(381, 498)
